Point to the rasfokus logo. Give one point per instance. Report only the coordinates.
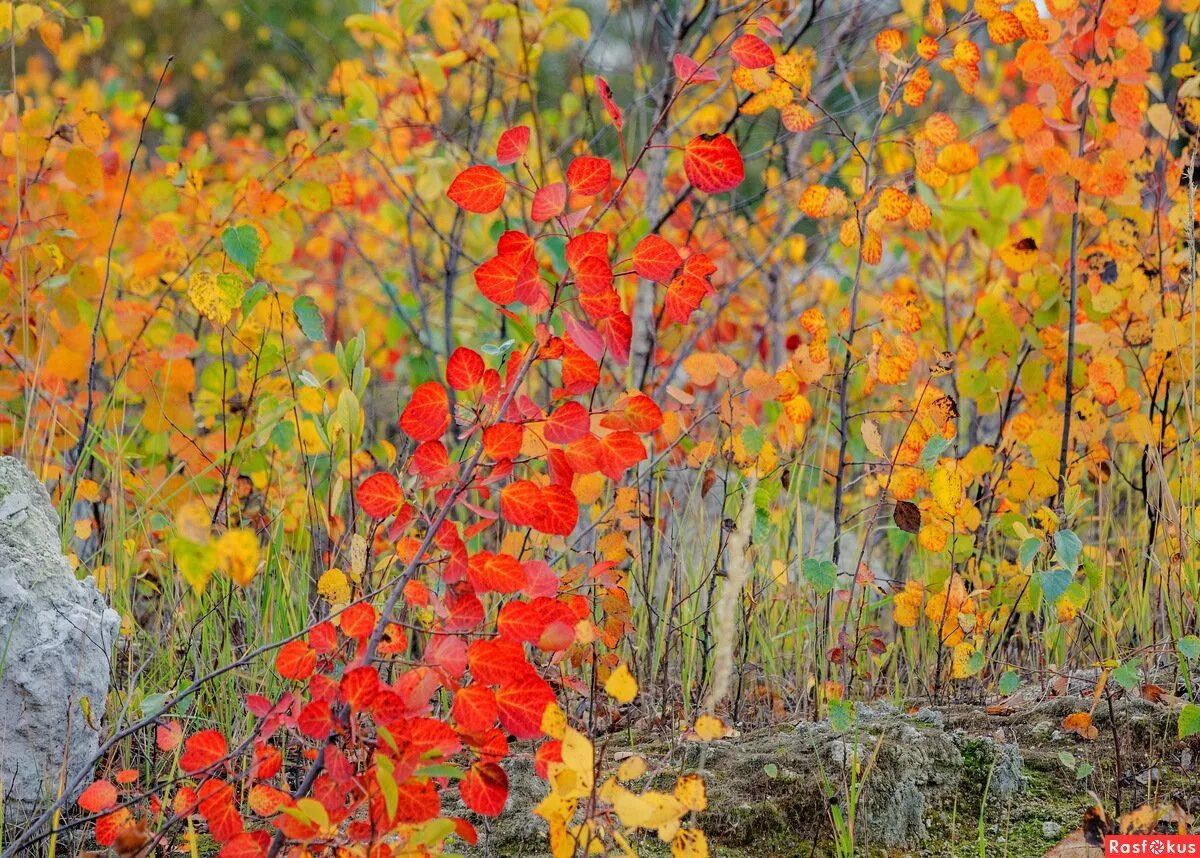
(1152, 844)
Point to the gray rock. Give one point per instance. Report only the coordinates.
(56, 639)
(1051, 829)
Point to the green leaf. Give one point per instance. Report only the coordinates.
(243, 246)
(1189, 647)
(1054, 583)
(385, 776)
(308, 317)
(1067, 759)
(1029, 550)
(841, 715)
(934, 447)
(1126, 676)
(252, 296)
(1189, 720)
(1085, 768)
(1067, 547)
(822, 574)
(1009, 682)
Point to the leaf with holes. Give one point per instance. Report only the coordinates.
(713, 163)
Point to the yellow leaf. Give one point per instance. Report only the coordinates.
(214, 297)
(83, 168)
(709, 728)
(334, 586)
(871, 437)
(689, 789)
(689, 843)
(238, 554)
(631, 769)
(621, 686)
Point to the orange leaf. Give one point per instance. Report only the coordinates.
(560, 510)
(713, 163)
(1081, 724)
(358, 621)
(521, 503)
(359, 687)
(478, 189)
(474, 708)
(503, 440)
(569, 422)
(168, 736)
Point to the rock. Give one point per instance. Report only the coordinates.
(56, 639)
(1051, 829)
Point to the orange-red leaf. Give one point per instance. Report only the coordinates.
(478, 189)
(522, 704)
(203, 750)
(713, 163)
(100, 795)
(464, 369)
(752, 52)
(614, 112)
(589, 175)
(474, 708)
(521, 503)
(427, 415)
(656, 259)
(569, 422)
(295, 660)
(484, 789)
(548, 202)
(560, 510)
(358, 620)
(512, 145)
(359, 687)
(379, 495)
(499, 277)
(503, 440)
(168, 736)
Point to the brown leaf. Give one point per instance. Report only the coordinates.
(1095, 825)
(907, 516)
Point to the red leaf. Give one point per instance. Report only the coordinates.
(569, 422)
(689, 71)
(520, 621)
(619, 451)
(295, 660)
(323, 637)
(521, 503)
(100, 795)
(521, 706)
(464, 369)
(642, 414)
(358, 620)
(499, 662)
(379, 495)
(752, 52)
(503, 440)
(168, 736)
(512, 145)
(474, 708)
(499, 573)
(560, 510)
(589, 175)
(315, 720)
(548, 202)
(202, 751)
(497, 278)
(484, 789)
(655, 258)
(246, 845)
(614, 112)
(478, 189)
(110, 825)
(713, 163)
(427, 415)
(359, 687)
(418, 802)
(766, 25)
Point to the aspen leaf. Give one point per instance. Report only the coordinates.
(621, 686)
